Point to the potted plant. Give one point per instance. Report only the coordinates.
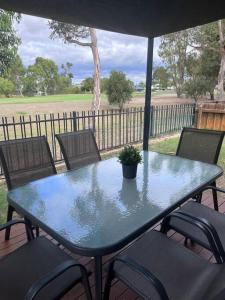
(130, 157)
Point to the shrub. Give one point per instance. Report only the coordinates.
(119, 89)
(196, 87)
(130, 156)
(73, 90)
(6, 87)
(87, 85)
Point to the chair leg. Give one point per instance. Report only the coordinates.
(215, 198)
(29, 230)
(87, 287)
(108, 282)
(37, 231)
(9, 218)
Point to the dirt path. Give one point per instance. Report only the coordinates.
(67, 106)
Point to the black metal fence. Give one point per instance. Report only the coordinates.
(113, 128)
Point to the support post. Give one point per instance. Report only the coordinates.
(148, 93)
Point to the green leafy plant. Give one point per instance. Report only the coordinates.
(118, 89)
(6, 87)
(130, 156)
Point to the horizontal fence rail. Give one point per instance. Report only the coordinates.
(112, 128)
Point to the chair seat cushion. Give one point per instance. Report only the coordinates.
(183, 273)
(23, 267)
(196, 209)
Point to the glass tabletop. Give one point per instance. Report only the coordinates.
(94, 210)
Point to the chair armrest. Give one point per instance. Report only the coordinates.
(203, 225)
(45, 280)
(210, 187)
(130, 263)
(11, 223)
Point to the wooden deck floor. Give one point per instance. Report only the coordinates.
(118, 291)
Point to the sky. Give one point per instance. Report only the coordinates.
(117, 51)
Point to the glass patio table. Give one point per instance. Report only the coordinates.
(94, 211)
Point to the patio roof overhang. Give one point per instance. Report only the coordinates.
(147, 18)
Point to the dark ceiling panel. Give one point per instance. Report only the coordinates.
(148, 18)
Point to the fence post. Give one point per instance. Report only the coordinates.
(74, 121)
(93, 122)
(151, 121)
(199, 116)
(193, 109)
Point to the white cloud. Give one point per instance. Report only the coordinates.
(117, 51)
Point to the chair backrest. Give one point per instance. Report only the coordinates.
(24, 160)
(79, 148)
(200, 144)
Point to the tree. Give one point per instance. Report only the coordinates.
(209, 66)
(119, 89)
(8, 40)
(222, 64)
(75, 34)
(42, 77)
(174, 52)
(6, 87)
(211, 38)
(64, 82)
(33, 82)
(161, 77)
(16, 74)
(87, 85)
(196, 87)
(201, 74)
(142, 85)
(104, 82)
(66, 71)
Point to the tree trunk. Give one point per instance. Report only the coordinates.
(45, 90)
(96, 101)
(212, 96)
(222, 63)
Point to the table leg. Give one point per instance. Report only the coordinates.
(30, 234)
(98, 277)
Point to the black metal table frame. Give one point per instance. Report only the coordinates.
(98, 253)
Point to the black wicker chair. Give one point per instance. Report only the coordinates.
(201, 211)
(202, 145)
(39, 270)
(79, 148)
(158, 268)
(24, 160)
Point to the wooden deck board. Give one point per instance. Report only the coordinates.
(119, 290)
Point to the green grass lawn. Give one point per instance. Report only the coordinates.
(47, 99)
(3, 204)
(62, 98)
(167, 146)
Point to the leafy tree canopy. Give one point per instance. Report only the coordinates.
(41, 77)
(6, 87)
(87, 85)
(8, 40)
(16, 74)
(161, 77)
(82, 36)
(104, 82)
(174, 52)
(119, 89)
